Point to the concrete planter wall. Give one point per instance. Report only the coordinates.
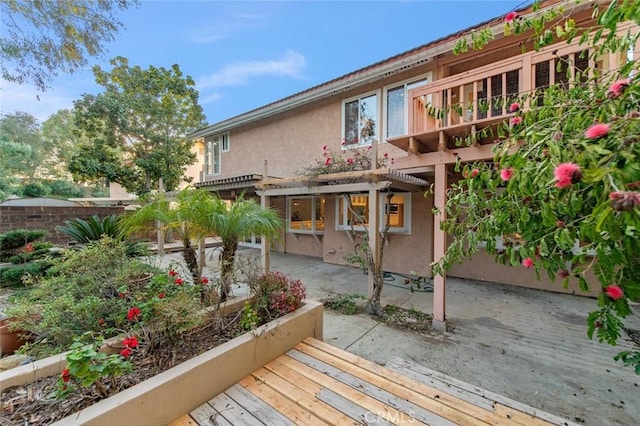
(169, 395)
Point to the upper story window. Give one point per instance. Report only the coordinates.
(360, 120)
(397, 106)
(399, 212)
(214, 146)
(305, 214)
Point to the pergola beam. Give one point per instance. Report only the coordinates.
(326, 189)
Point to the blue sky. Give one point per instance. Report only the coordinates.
(245, 54)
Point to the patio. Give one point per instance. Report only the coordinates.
(528, 345)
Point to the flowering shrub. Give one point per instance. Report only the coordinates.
(344, 161)
(276, 294)
(568, 176)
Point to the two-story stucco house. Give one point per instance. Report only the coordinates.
(381, 108)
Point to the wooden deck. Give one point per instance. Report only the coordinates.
(317, 384)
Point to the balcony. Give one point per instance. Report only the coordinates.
(468, 108)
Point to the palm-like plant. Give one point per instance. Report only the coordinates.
(184, 217)
(234, 222)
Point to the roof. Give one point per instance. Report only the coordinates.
(382, 69)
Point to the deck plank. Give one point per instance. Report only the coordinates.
(206, 415)
(442, 404)
(424, 374)
(299, 396)
(262, 411)
(356, 395)
(185, 420)
(294, 412)
(398, 403)
(337, 402)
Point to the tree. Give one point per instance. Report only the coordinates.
(136, 129)
(565, 180)
(22, 130)
(233, 222)
(61, 141)
(41, 38)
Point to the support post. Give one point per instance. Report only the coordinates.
(160, 231)
(374, 237)
(439, 247)
(264, 242)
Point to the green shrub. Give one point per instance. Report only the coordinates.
(13, 275)
(36, 189)
(94, 228)
(13, 241)
(63, 188)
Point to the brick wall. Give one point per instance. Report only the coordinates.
(47, 218)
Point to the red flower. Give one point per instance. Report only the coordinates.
(28, 248)
(564, 273)
(133, 313)
(510, 16)
(567, 174)
(475, 172)
(515, 121)
(172, 273)
(324, 147)
(506, 174)
(327, 162)
(161, 295)
(559, 224)
(386, 155)
(527, 263)
(101, 322)
(204, 280)
(126, 352)
(350, 161)
(179, 281)
(122, 295)
(514, 107)
(616, 89)
(597, 131)
(130, 342)
(614, 292)
(66, 376)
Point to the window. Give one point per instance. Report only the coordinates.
(397, 107)
(399, 212)
(360, 121)
(305, 214)
(214, 146)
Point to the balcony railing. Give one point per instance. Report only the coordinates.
(466, 103)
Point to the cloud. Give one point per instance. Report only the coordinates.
(239, 73)
(232, 25)
(23, 97)
(211, 99)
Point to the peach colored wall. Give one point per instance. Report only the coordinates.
(482, 267)
(193, 171)
(403, 254)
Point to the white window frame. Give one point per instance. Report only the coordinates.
(406, 229)
(289, 210)
(376, 136)
(425, 78)
(221, 140)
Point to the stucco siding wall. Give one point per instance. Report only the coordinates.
(482, 267)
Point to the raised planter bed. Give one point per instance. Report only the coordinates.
(169, 395)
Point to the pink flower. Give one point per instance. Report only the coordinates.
(614, 292)
(567, 174)
(386, 155)
(616, 89)
(133, 313)
(475, 172)
(327, 162)
(527, 263)
(130, 342)
(506, 174)
(179, 281)
(597, 131)
(324, 147)
(172, 273)
(515, 121)
(510, 16)
(204, 280)
(559, 224)
(350, 161)
(514, 107)
(126, 352)
(161, 295)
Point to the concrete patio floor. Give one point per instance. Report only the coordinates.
(528, 345)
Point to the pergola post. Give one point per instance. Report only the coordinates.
(439, 246)
(264, 242)
(374, 237)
